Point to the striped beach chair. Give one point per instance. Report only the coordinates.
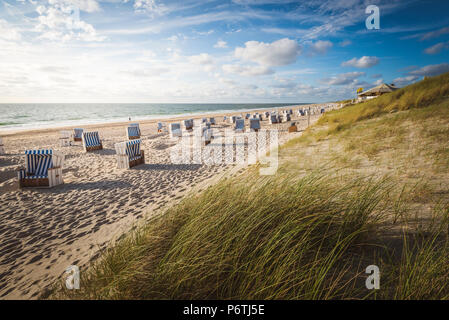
(2, 148)
(43, 168)
(91, 141)
(188, 124)
(78, 134)
(239, 125)
(175, 130)
(254, 124)
(133, 132)
(129, 154)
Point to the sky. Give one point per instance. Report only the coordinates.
(192, 51)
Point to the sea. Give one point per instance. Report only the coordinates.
(49, 115)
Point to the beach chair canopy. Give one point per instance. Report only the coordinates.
(134, 125)
(133, 131)
(78, 133)
(188, 123)
(91, 139)
(130, 148)
(37, 163)
(239, 124)
(254, 123)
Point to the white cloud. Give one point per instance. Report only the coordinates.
(431, 70)
(437, 48)
(201, 59)
(343, 79)
(363, 62)
(247, 71)
(321, 47)
(221, 44)
(60, 21)
(403, 81)
(345, 43)
(8, 32)
(149, 6)
(278, 53)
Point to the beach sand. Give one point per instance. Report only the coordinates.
(43, 231)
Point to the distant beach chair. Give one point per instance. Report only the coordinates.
(254, 124)
(239, 125)
(204, 120)
(161, 127)
(322, 110)
(273, 119)
(64, 139)
(247, 116)
(207, 135)
(280, 118)
(78, 134)
(188, 124)
(288, 117)
(129, 154)
(91, 141)
(267, 115)
(43, 168)
(175, 130)
(212, 121)
(232, 119)
(2, 147)
(133, 132)
(225, 118)
(293, 127)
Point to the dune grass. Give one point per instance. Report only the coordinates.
(364, 186)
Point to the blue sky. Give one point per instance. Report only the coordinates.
(214, 51)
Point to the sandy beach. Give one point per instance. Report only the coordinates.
(43, 231)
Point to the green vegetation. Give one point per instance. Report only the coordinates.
(364, 186)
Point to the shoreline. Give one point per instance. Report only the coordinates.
(7, 132)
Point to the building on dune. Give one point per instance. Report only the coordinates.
(376, 92)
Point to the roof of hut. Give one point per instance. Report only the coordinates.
(380, 89)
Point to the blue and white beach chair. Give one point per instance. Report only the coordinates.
(175, 130)
(188, 124)
(273, 119)
(133, 132)
(43, 168)
(78, 134)
(91, 141)
(239, 125)
(129, 154)
(254, 124)
(212, 121)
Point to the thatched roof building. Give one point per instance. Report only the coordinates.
(378, 91)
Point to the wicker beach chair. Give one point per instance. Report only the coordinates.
(2, 148)
(175, 130)
(293, 127)
(254, 124)
(43, 168)
(239, 125)
(212, 121)
(273, 119)
(129, 154)
(133, 132)
(78, 134)
(188, 124)
(91, 141)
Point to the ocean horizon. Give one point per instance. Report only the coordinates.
(27, 116)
